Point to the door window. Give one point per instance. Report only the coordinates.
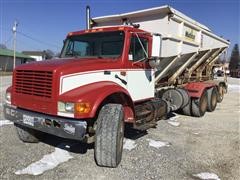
(138, 50)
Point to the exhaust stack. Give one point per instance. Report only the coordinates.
(88, 26)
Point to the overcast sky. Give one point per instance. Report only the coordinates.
(44, 24)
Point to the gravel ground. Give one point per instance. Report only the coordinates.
(192, 145)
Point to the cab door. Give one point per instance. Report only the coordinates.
(140, 75)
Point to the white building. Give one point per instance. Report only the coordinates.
(38, 55)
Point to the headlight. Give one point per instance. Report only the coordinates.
(68, 107)
(8, 97)
(65, 107)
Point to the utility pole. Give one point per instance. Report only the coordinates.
(14, 29)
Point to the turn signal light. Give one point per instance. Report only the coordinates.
(82, 108)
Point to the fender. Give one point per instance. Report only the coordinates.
(196, 89)
(94, 93)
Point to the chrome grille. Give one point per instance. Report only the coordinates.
(35, 83)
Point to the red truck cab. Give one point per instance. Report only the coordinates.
(97, 67)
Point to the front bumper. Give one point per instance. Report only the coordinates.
(62, 127)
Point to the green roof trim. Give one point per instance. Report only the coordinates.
(8, 52)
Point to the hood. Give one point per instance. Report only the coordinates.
(68, 66)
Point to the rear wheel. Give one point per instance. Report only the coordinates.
(220, 93)
(109, 135)
(199, 105)
(211, 99)
(187, 109)
(26, 134)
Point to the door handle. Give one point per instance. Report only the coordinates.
(122, 80)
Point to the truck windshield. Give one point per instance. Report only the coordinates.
(96, 45)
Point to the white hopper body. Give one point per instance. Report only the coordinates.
(185, 43)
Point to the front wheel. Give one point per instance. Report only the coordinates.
(109, 135)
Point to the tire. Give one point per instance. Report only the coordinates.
(220, 93)
(199, 105)
(212, 98)
(174, 97)
(109, 136)
(26, 134)
(187, 109)
(186, 98)
(225, 89)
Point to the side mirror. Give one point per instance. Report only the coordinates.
(154, 61)
(156, 45)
